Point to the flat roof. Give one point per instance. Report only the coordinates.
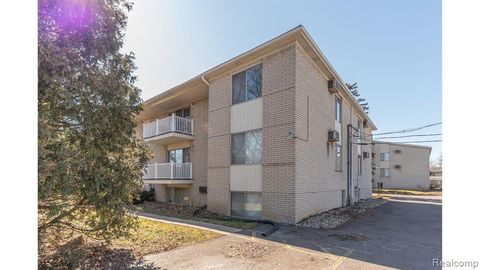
(402, 144)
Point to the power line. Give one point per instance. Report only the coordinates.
(409, 129)
(380, 142)
(408, 136)
(400, 131)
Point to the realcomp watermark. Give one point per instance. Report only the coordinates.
(455, 264)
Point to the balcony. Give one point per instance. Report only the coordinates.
(168, 130)
(168, 173)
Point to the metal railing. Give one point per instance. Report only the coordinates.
(169, 124)
(168, 171)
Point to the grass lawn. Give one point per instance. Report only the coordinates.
(153, 236)
(407, 192)
(230, 223)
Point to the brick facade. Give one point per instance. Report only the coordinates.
(298, 176)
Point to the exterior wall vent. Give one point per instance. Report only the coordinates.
(202, 189)
(398, 167)
(398, 151)
(366, 154)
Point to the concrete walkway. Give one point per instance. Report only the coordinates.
(189, 223)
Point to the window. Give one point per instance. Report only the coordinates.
(247, 85)
(384, 172)
(177, 195)
(338, 109)
(184, 112)
(246, 204)
(338, 157)
(179, 155)
(359, 164)
(384, 156)
(247, 147)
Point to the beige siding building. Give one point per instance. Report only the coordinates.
(264, 135)
(401, 166)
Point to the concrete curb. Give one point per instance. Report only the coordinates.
(190, 223)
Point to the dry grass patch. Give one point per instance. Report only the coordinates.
(125, 253)
(408, 192)
(153, 237)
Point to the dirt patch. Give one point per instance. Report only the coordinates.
(338, 217)
(247, 249)
(350, 237)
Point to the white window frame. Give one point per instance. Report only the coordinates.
(384, 170)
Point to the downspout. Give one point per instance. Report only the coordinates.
(205, 81)
(349, 164)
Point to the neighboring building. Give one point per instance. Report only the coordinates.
(250, 137)
(403, 166)
(436, 177)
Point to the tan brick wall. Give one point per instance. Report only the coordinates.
(160, 193)
(199, 151)
(278, 186)
(318, 186)
(414, 172)
(218, 174)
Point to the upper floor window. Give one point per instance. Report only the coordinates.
(184, 112)
(247, 85)
(338, 109)
(384, 156)
(179, 155)
(247, 147)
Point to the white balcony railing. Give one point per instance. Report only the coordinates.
(166, 125)
(168, 171)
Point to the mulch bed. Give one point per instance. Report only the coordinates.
(338, 217)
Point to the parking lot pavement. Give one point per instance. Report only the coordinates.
(403, 233)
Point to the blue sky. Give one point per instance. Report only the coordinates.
(392, 49)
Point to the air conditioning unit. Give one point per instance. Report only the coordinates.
(365, 124)
(333, 86)
(366, 154)
(333, 136)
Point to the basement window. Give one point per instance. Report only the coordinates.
(246, 204)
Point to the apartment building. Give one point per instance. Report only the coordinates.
(401, 166)
(264, 135)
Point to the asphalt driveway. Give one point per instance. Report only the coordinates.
(404, 233)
